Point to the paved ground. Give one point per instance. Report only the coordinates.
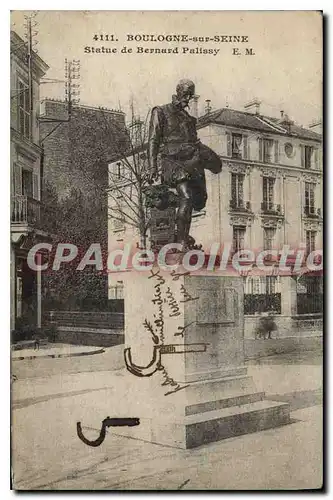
(50, 396)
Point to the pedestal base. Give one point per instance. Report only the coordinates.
(198, 390)
(203, 412)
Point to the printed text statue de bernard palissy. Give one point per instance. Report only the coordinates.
(183, 158)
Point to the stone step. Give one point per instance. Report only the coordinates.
(227, 402)
(221, 424)
(218, 389)
(208, 427)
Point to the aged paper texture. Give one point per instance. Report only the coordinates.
(166, 250)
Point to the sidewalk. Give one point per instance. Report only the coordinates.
(55, 351)
(50, 456)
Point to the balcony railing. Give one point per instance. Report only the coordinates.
(25, 210)
(271, 208)
(312, 212)
(239, 206)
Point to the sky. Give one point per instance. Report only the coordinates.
(285, 73)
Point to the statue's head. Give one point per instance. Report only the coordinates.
(185, 91)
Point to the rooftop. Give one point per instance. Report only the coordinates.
(19, 48)
(262, 123)
(82, 106)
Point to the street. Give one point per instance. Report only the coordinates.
(50, 395)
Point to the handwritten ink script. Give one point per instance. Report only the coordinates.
(181, 330)
(164, 296)
(186, 295)
(172, 303)
(160, 323)
(107, 422)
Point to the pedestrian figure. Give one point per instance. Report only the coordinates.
(266, 326)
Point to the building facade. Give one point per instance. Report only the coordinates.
(26, 172)
(76, 142)
(269, 194)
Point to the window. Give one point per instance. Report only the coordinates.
(237, 197)
(309, 198)
(24, 109)
(306, 156)
(118, 170)
(27, 183)
(258, 285)
(262, 294)
(238, 238)
(272, 284)
(268, 193)
(267, 150)
(117, 291)
(269, 235)
(310, 241)
(236, 146)
(289, 149)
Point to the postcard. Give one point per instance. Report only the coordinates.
(166, 250)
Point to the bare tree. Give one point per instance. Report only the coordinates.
(130, 178)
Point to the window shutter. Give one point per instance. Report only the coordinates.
(276, 151)
(17, 176)
(245, 148)
(261, 149)
(312, 196)
(302, 156)
(229, 144)
(13, 112)
(233, 187)
(264, 189)
(241, 189)
(35, 186)
(307, 196)
(316, 158)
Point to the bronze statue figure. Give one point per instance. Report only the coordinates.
(173, 139)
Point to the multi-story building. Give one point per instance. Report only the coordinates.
(268, 195)
(26, 159)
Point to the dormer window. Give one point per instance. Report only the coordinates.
(266, 150)
(236, 145)
(306, 156)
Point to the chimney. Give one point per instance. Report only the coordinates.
(316, 126)
(194, 106)
(285, 121)
(253, 107)
(208, 107)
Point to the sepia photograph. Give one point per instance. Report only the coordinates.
(166, 250)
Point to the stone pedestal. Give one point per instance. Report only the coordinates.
(200, 391)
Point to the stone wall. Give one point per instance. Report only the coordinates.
(97, 338)
(287, 326)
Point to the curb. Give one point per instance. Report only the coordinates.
(55, 356)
